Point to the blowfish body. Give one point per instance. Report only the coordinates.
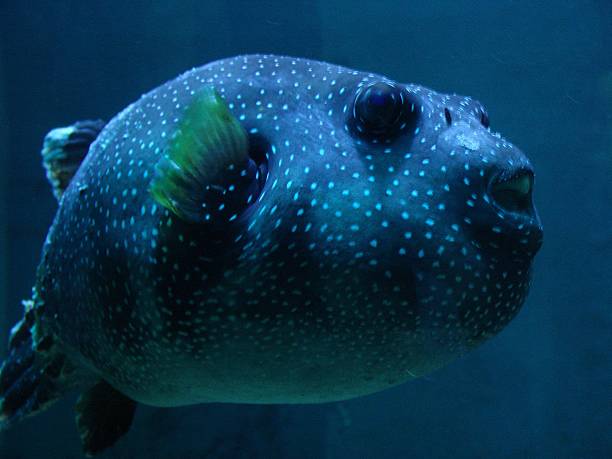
(269, 229)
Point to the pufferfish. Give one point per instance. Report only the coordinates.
(268, 229)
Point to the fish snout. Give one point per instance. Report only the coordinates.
(498, 172)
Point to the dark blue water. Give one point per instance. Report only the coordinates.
(541, 389)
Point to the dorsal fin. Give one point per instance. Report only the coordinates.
(64, 149)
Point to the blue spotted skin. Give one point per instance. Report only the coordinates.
(360, 264)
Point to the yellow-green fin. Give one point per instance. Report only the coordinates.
(204, 155)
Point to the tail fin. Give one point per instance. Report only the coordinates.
(35, 373)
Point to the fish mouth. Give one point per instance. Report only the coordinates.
(510, 194)
(513, 194)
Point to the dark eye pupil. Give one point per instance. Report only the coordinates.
(380, 98)
(379, 108)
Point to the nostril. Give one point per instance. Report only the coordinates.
(484, 119)
(514, 194)
(447, 115)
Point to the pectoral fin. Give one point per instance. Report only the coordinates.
(206, 173)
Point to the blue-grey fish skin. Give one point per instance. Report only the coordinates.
(361, 264)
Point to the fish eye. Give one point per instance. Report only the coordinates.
(381, 110)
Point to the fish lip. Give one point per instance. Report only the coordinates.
(527, 214)
(523, 225)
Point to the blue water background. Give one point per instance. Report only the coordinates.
(543, 68)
